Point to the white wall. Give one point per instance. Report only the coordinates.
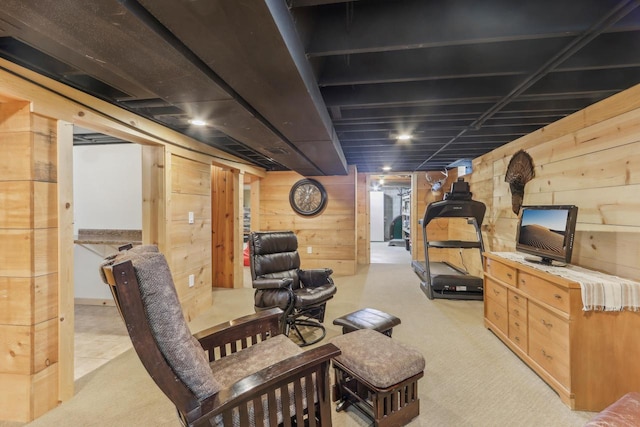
(107, 186)
(107, 194)
(376, 216)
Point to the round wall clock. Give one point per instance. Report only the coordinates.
(308, 197)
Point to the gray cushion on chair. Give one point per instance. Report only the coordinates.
(378, 359)
(232, 368)
(170, 330)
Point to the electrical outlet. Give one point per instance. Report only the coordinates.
(309, 250)
(191, 218)
(192, 280)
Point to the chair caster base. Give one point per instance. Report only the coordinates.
(309, 324)
(342, 405)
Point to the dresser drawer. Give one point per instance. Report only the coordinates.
(548, 325)
(495, 291)
(501, 271)
(518, 333)
(549, 342)
(544, 291)
(516, 300)
(496, 314)
(517, 307)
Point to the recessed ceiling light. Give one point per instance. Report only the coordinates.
(386, 168)
(404, 137)
(198, 122)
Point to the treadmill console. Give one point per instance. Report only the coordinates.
(459, 191)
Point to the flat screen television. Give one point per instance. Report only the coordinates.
(547, 232)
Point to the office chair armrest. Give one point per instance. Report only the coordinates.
(273, 283)
(315, 277)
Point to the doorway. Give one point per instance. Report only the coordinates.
(387, 209)
(107, 194)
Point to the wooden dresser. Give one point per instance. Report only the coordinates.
(590, 358)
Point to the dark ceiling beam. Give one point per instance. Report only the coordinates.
(239, 118)
(417, 153)
(515, 115)
(532, 107)
(612, 16)
(252, 46)
(363, 146)
(608, 50)
(482, 89)
(430, 124)
(420, 23)
(116, 49)
(62, 33)
(490, 59)
(438, 134)
(363, 113)
(614, 50)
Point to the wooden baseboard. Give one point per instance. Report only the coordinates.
(94, 301)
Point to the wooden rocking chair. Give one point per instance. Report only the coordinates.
(239, 373)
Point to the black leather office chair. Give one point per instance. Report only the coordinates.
(279, 282)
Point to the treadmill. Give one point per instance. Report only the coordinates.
(443, 279)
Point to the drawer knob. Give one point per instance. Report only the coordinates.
(547, 356)
(517, 324)
(496, 292)
(516, 297)
(517, 339)
(516, 312)
(557, 296)
(548, 325)
(509, 275)
(496, 314)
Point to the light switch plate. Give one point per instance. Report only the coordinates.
(192, 280)
(191, 218)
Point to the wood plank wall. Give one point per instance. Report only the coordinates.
(331, 234)
(363, 219)
(30, 287)
(421, 196)
(190, 244)
(590, 159)
(28, 263)
(222, 226)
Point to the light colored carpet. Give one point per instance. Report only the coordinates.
(471, 379)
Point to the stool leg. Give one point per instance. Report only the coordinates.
(340, 395)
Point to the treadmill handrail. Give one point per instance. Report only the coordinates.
(453, 244)
(454, 209)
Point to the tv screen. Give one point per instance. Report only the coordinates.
(547, 232)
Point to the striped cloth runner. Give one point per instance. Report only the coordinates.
(600, 291)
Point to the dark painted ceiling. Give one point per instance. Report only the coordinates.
(316, 85)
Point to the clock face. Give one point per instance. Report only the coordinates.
(307, 197)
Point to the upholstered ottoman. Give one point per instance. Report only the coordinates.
(368, 318)
(624, 412)
(379, 376)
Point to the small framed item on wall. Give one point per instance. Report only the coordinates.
(308, 197)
